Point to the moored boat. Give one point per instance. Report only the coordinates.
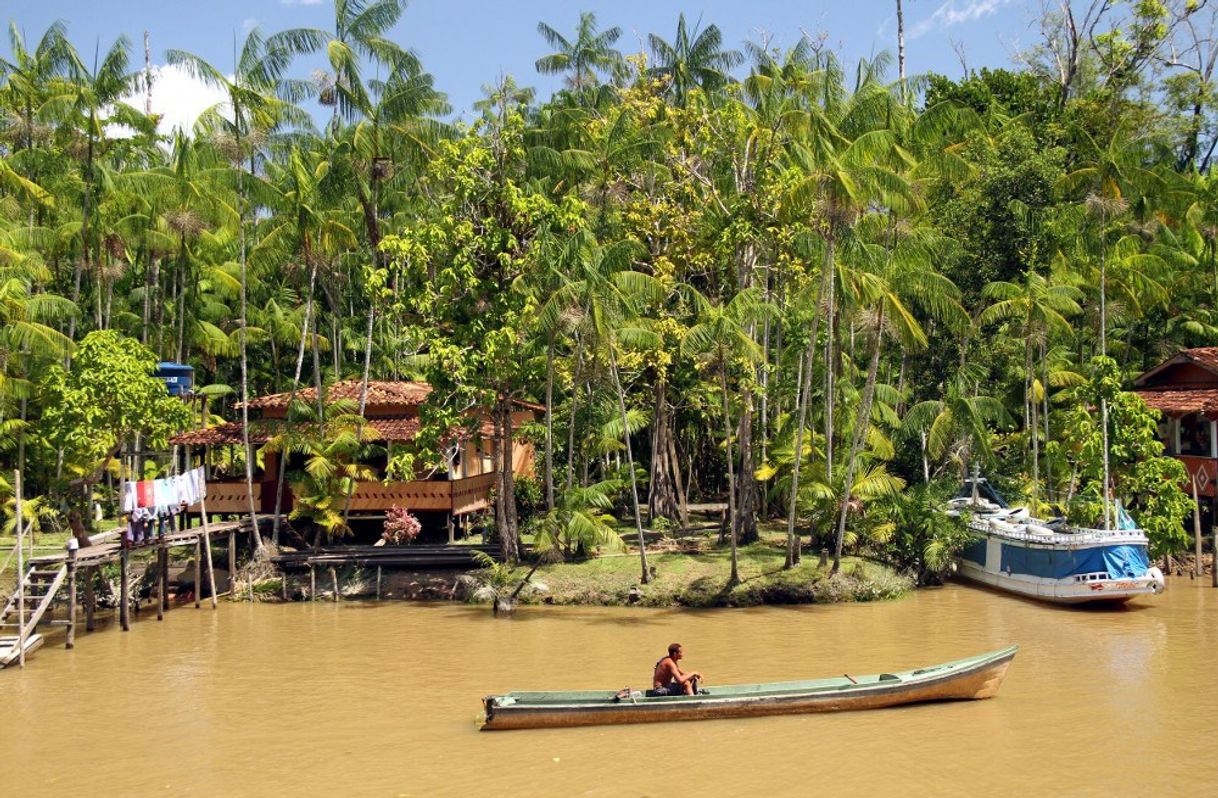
(972, 678)
(1047, 559)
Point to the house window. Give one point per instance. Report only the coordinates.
(1196, 437)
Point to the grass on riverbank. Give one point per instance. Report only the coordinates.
(697, 576)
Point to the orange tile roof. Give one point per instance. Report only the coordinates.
(1203, 355)
(380, 393)
(393, 429)
(1183, 401)
(384, 430)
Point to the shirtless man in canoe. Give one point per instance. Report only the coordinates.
(669, 679)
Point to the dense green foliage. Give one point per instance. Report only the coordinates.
(755, 277)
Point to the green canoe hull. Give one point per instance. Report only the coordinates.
(966, 679)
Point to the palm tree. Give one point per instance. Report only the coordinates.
(721, 337)
(693, 60)
(610, 295)
(312, 232)
(590, 53)
(1040, 309)
(93, 92)
(1112, 175)
(256, 98)
(958, 424)
(332, 445)
(579, 522)
(360, 31)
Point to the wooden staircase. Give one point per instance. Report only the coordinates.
(40, 584)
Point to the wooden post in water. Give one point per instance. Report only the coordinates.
(20, 526)
(211, 570)
(124, 608)
(1197, 524)
(160, 580)
(334, 578)
(73, 545)
(283, 585)
(198, 570)
(90, 597)
(232, 561)
(378, 583)
(312, 583)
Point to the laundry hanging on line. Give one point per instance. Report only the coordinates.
(168, 494)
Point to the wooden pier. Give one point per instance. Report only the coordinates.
(45, 576)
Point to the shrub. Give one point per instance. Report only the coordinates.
(400, 526)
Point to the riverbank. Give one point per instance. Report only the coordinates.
(691, 572)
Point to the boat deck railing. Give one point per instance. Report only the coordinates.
(1083, 535)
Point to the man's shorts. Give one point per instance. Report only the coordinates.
(667, 690)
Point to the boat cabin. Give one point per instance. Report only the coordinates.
(437, 497)
(1185, 389)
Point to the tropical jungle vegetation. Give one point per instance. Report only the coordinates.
(813, 290)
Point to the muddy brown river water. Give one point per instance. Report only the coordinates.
(371, 699)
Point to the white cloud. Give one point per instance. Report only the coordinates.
(248, 24)
(954, 12)
(177, 97)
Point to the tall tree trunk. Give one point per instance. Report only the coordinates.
(803, 392)
(831, 329)
(550, 424)
(746, 502)
(734, 577)
(634, 487)
(662, 499)
(579, 365)
(300, 352)
(861, 425)
(901, 47)
(259, 549)
(505, 504)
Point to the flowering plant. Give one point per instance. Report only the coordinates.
(401, 526)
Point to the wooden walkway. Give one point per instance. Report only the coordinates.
(412, 556)
(47, 574)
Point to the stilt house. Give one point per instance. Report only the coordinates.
(1185, 388)
(392, 413)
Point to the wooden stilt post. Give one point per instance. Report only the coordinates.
(378, 583)
(283, 585)
(211, 570)
(312, 583)
(90, 597)
(232, 560)
(198, 570)
(124, 608)
(334, 579)
(160, 580)
(451, 539)
(20, 526)
(73, 545)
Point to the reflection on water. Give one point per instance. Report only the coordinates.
(357, 699)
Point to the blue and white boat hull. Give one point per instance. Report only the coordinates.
(1049, 560)
(1078, 589)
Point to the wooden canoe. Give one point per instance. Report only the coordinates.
(965, 679)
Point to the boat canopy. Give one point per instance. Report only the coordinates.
(984, 490)
(1119, 562)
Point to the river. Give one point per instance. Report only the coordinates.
(358, 699)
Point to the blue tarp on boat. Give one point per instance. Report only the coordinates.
(974, 551)
(1124, 561)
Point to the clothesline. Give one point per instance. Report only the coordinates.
(166, 495)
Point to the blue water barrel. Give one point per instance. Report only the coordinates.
(179, 378)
